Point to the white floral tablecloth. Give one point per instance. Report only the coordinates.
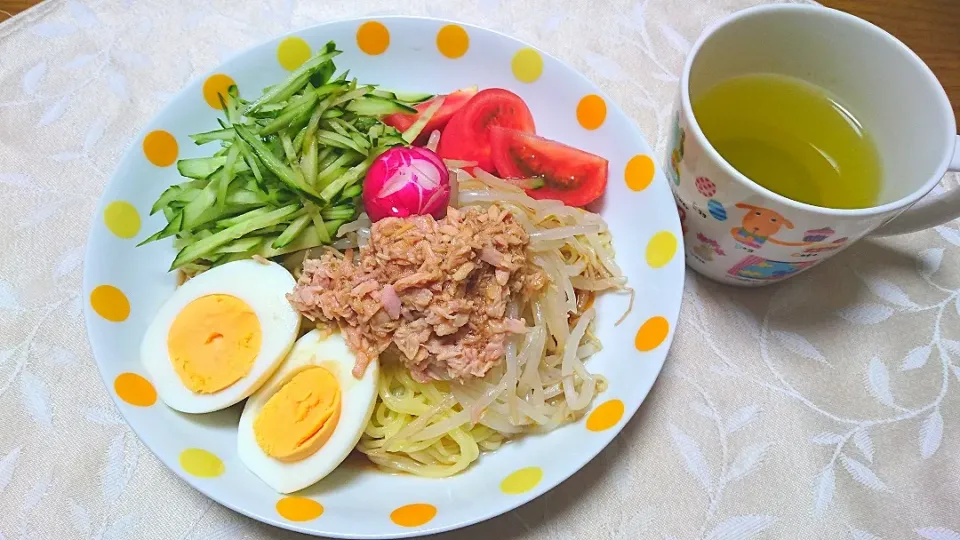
(828, 407)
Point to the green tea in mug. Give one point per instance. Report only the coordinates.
(793, 138)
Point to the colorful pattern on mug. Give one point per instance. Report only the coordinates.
(717, 210)
(707, 248)
(677, 139)
(754, 268)
(759, 225)
(706, 187)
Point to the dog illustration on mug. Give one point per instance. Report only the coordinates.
(758, 227)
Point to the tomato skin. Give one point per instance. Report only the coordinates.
(467, 135)
(570, 175)
(452, 103)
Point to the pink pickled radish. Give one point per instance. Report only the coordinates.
(406, 182)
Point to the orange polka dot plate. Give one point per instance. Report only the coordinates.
(125, 285)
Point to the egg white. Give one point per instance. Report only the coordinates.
(357, 399)
(263, 286)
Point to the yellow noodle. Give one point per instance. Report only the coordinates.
(428, 430)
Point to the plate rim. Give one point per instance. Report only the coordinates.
(515, 502)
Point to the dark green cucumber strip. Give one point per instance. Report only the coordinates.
(374, 132)
(231, 221)
(193, 213)
(324, 180)
(314, 121)
(413, 131)
(338, 212)
(347, 124)
(309, 238)
(364, 123)
(323, 74)
(270, 110)
(294, 229)
(272, 143)
(225, 134)
(337, 125)
(203, 247)
(288, 151)
(328, 173)
(231, 106)
(370, 105)
(180, 192)
(308, 163)
(391, 140)
(291, 117)
(242, 245)
(172, 228)
(352, 95)
(297, 80)
(360, 140)
(352, 175)
(296, 118)
(299, 138)
(330, 89)
(251, 162)
(326, 156)
(270, 231)
(327, 69)
(273, 163)
(335, 139)
(214, 214)
(352, 191)
(201, 168)
(317, 219)
(386, 94)
(152, 238)
(247, 181)
(227, 174)
(245, 197)
(412, 97)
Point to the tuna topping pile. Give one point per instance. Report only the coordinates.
(436, 290)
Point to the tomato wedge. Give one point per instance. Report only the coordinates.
(451, 104)
(569, 175)
(467, 135)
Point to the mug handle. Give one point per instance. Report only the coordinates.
(929, 211)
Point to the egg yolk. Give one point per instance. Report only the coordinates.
(299, 418)
(213, 342)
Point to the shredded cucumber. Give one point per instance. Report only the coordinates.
(413, 131)
(294, 229)
(411, 97)
(225, 134)
(202, 247)
(376, 106)
(289, 168)
(242, 245)
(201, 168)
(297, 80)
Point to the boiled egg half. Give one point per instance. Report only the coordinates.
(221, 335)
(307, 418)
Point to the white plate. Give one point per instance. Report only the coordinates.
(359, 502)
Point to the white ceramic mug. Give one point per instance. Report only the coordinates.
(740, 233)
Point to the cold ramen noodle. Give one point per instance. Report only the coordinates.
(431, 289)
(480, 320)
